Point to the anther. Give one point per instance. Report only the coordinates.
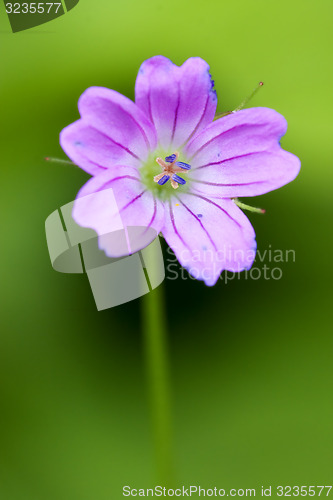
(184, 166)
(163, 180)
(158, 177)
(178, 179)
(171, 158)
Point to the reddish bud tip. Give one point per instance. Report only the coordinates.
(261, 84)
(46, 158)
(263, 211)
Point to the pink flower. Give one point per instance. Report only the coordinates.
(172, 168)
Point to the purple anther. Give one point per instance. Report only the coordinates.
(170, 158)
(178, 179)
(163, 180)
(183, 165)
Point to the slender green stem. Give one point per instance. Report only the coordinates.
(59, 160)
(156, 354)
(243, 206)
(242, 104)
(249, 97)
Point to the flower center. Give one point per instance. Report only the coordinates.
(171, 167)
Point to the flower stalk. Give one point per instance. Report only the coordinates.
(156, 360)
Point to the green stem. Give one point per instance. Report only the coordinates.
(156, 354)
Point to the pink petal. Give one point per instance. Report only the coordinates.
(112, 130)
(208, 236)
(92, 150)
(180, 101)
(128, 205)
(249, 175)
(239, 155)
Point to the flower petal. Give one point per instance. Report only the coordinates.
(180, 101)
(239, 155)
(92, 150)
(113, 130)
(248, 175)
(129, 205)
(245, 131)
(208, 236)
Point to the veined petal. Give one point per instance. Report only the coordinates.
(180, 101)
(209, 236)
(245, 131)
(249, 175)
(131, 205)
(92, 150)
(240, 155)
(112, 122)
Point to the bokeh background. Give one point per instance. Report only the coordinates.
(251, 361)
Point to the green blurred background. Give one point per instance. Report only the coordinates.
(251, 361)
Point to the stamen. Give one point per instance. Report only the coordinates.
(178, 169)
(161, 162)
(170, 166)
(158, 177)
(183, 165)
(178, 179)
(163, 180)
(171, 158)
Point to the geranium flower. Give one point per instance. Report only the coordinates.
(172, 168)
